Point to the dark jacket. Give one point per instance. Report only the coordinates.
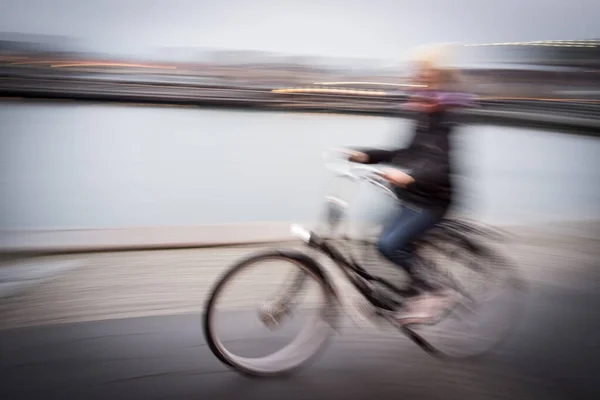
(427, 159)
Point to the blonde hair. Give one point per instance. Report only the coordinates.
(438, 55)
(442, 58)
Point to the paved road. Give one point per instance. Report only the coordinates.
(150, 353)
(553, 355)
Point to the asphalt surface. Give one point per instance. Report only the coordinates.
(128, 326)
(552, 354)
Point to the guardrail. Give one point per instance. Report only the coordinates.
(564, 116)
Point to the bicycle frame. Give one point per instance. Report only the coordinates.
(450, 230)
(368, 299)
(349, 267)
(357, 275)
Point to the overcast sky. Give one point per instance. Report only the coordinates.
(346, 28)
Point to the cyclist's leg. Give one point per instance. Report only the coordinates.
(396, 241)
(395, 244)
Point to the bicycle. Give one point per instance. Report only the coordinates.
(370, 298)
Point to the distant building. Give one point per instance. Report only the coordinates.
(39, 44)
(555, 69)
(565, 53)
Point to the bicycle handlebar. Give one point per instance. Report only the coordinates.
(373, 174)
(378, 181)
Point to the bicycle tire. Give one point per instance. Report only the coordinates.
(301, 260)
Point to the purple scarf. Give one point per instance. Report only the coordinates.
(455, 99)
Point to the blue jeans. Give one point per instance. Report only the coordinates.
(396, 240)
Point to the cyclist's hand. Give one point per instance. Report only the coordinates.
(356, 156)
(397, 177)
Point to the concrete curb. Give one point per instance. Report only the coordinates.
(159, 238)
(87, 240)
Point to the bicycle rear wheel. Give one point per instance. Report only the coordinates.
(490, 296)
(262, 315)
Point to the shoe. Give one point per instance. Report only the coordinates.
(426, 308)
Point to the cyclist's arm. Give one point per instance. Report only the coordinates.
(376, 156)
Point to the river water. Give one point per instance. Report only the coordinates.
(68, 165)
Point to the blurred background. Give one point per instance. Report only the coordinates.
(137, 125)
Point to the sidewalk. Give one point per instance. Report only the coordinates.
(100, 286)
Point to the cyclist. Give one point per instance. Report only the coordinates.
(426, 188)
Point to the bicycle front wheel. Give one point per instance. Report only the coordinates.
(269, 314)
